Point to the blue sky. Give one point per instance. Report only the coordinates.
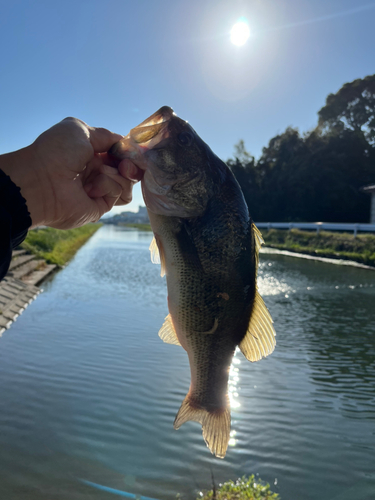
(113, 63)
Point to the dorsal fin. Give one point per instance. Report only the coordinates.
(167, 333)
(157, 255)
(259, 340)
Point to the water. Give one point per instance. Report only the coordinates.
(88, 390)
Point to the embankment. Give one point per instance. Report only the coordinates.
(43, 251)
(56, 246)
(333, 245)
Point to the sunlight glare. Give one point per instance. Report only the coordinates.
(240, 33)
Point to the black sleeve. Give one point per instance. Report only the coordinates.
(14, 220)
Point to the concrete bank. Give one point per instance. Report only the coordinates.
(20, 286)
(340, 262)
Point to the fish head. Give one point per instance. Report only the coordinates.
(181, 171)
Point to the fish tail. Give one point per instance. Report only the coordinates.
(215, 425)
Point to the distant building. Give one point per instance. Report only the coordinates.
(141, 217)
(371, 190)
(142, 212)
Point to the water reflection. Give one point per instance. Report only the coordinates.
(269, 284)
(89, 391)
(233, 387)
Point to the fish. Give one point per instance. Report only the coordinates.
(208, 248)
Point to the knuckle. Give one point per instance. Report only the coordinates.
(70, 119)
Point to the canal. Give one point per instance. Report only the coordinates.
(88, 391)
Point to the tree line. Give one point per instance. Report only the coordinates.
(316, 176)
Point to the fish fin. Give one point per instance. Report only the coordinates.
(259, 340)
(167, 333)
(215, 425)
(259, 241)
(154, 251)
(157, 255)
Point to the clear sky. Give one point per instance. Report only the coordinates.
(113, 63)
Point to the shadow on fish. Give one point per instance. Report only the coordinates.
(208, 248)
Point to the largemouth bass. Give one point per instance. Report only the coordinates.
(208, 248)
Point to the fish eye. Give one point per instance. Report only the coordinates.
(185, 138)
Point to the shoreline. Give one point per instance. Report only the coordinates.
(337, 261)
(40, 255)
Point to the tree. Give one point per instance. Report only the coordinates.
(241, 153)
(246, 173)
(352, 107)
(312, 178)
(317, 176)
(281, 169)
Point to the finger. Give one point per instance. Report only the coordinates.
(97, 164)
(126, 195)
(126, 167)
(102, 139)
(126, 184)
(130, 171)
(109, 159)
(91, 171)
(103, 186)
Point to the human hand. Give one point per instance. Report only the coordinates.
(67, 177)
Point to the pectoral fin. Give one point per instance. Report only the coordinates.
(167, 333)
(259, 340)
(157, 255)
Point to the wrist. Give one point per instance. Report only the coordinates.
(21, 167)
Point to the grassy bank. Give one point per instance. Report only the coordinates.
(325, 244)
(57, 246)
(245, 488)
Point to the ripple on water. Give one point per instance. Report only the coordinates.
(89, 390)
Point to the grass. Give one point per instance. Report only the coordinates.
(57, 246)
(325, 244)
(245, 488)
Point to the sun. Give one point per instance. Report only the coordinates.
(240, 33)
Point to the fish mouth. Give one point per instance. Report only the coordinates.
(160, 116)
(144, 136)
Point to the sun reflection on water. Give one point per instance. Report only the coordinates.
(233, 391)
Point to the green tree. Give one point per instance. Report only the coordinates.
(241, 153)
(337, 167)
(317, 176)
(280, 167)
(247, 175)
(352, 107)
(312, 178)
